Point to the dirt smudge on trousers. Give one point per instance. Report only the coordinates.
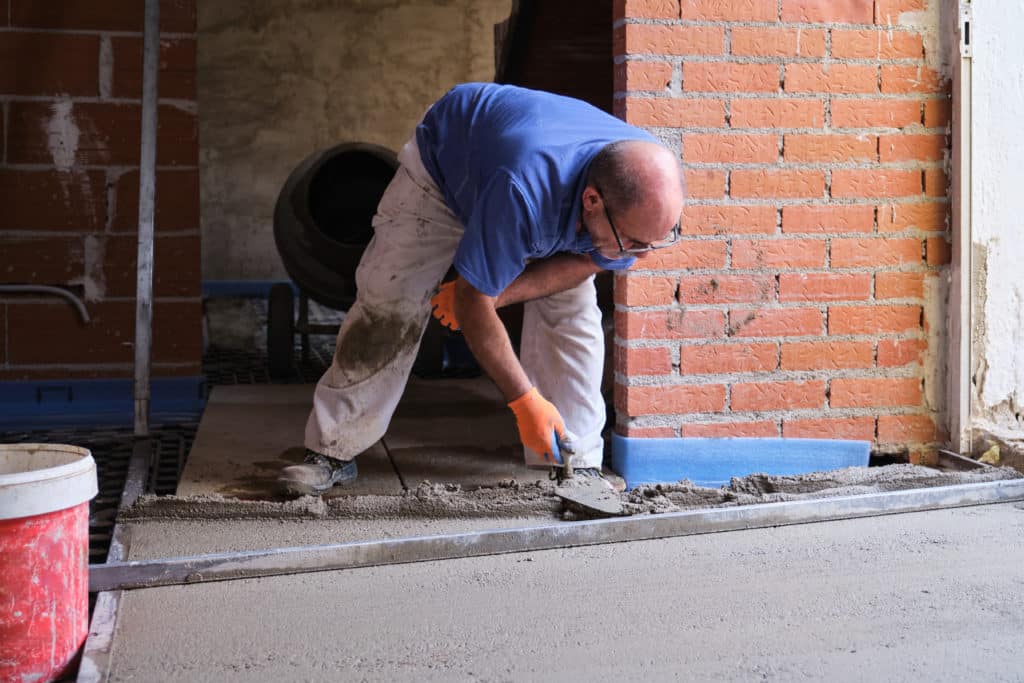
(372, 340)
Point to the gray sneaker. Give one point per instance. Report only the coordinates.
(316, 475)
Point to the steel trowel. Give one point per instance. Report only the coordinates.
(588, 494)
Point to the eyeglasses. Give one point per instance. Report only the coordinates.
(668, 241)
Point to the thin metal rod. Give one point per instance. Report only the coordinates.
(277, 561)
(147, 210)
(48, 289)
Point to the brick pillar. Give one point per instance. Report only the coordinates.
(70, 93)
(804, 300)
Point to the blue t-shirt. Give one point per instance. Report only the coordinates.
(512, 164)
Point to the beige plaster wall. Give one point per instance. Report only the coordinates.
(280, 79)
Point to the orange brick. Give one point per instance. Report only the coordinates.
(632, 361)
(894, 353)
(704, 183)
(876, 319)
(702, 219)
(728, 10)
(775, 322)
(936, 182)
(875, 392)
(926, 216)
(633, 76)
(726, 430)
(688, 254)
(777, 42)
(711, 359)
(641, 290)
(828, 218)
(888, 182)
(938, 251)
(918, 79)
(660, 39)
(725, 77)
(647, 432)
(777, 113)
(778, 395)
(779, 253)
(938, 113)
(780, 184)
(859, 428)
(820, 148)
(888, 12)
(900, 429)
(646, 9)
(831, 78)
(673, 399)
(726, 289)
(831, 355)
(874, 251)
(876, 44)
(668, 112)
(911, 148)
(744, 149)
(829, 11)
(824, 286)
(899, 285)
(675, 323)
(857, 113)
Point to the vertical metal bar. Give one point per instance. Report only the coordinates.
(97, 649)
(961, 296)
(147, 206)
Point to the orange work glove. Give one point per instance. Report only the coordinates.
(538, 422)
(443, 305)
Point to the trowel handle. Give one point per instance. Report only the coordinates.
(563, 449)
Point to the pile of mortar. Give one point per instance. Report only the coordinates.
(538, 499)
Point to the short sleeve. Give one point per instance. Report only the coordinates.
(498, 239)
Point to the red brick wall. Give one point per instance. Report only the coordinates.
(70, 89)
(813, 137)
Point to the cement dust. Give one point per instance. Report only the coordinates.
(538, 499)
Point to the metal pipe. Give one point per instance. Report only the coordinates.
(147, 210)
(47, 289)
(277, 561)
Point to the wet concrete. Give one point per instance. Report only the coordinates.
(925, 596)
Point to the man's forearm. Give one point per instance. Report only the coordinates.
(548, 276)
(488, 340)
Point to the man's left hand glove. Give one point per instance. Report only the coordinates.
(443, 305)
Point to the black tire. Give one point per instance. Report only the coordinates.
(280, 330)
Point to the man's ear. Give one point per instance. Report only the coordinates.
(591, 197)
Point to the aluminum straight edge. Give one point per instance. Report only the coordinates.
(277, 561)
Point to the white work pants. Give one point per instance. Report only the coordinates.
(415, 237)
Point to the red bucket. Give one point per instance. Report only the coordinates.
(44, 558)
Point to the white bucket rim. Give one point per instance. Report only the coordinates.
(37, 492)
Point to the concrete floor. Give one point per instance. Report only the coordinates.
(935, 596)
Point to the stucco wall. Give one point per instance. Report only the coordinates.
(280, 79)
(996, 215)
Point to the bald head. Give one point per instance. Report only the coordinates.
(640, 179)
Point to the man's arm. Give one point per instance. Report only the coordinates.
(487, 339)
(548, 276)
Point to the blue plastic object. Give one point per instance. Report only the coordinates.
(712, 462)
(90, 402)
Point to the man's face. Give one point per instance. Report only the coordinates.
(634, 229)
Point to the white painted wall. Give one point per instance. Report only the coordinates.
(997, 213)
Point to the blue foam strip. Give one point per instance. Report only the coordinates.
(46, 404)
(241, 289)
(712, 462)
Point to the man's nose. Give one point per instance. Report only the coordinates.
(643, 254)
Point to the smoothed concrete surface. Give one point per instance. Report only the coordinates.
(935, 596)
(456, 431)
